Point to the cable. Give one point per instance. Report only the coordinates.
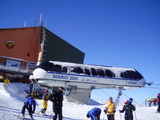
(153, 87)
(134, 100)
(100, 94)
(104, 92)
(155, 84)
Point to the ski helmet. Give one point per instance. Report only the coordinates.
(126, 102)
(130, 99)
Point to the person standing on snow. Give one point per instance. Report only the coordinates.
(57, 100)
(44, 103)
(110, 109)
(94, 113)
(130, 100)
(128, 109)
(158, 101)
(30, 105)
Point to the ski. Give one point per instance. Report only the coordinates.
(18, 116)
(45, 116)
(21, 118)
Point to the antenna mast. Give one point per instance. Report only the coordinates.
(36, 17)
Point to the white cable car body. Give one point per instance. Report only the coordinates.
(86, 77)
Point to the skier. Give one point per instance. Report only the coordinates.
(110, 109)
(130, 100)
(57, 100)
(128, 109)
(30, 105)
(158, 101)
(44, 103)
(94, 113)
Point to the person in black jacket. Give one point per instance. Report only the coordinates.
(57, 99)
(128, 109)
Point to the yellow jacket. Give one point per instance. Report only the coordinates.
(45, 101)
(6, 81)
(44, 104)
(110, 107)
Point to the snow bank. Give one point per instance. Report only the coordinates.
(11, 105)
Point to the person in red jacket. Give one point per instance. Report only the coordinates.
(158, 101)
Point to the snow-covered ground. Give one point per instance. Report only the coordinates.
(11, 102)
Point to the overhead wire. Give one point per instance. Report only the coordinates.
(152, 87)
(134, 100)
(155, 84)
(100, 94)
(123, 93)
(104, 93)
(115, 94)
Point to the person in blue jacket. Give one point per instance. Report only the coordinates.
(30, 105)
(94, 113)
(130, 100)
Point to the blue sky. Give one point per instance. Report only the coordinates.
(122, 33)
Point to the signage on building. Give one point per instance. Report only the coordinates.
(13, 65)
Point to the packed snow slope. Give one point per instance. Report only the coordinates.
(11, 102)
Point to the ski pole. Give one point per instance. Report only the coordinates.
(50, 116)
(103, 115)
(120, 116)
(135, 115)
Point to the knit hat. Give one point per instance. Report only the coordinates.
(110, 98)
(61, 88)
(46, 91)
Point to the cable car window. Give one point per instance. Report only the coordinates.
(74, 69)
(94, 72)
(48, 67)
(100, 72)
(64, 69)
(109, 73)
(78, 70)
(87, 72)
(139, 76)
(57, 68)
(124, 74)
(128, 74)
(132, 74)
